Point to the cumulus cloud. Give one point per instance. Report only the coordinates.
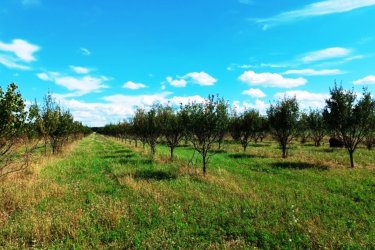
(79, 70)
(200, 78)
(83, 85)
(271, 80)
(326, 54)
(117, 108)
(313, 72)
(259, 105)
(366, 80)
(321, 8)
(306, 99)
(178, 83)
(133, 85)
(21, 48)
(257, 93)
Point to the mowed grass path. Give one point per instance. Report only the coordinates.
(106, 194)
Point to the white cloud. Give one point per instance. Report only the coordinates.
(133, 85)
(306, 99)
(257, 93)
(313, 72)
(326, 54)
(259, 105)
(83, 85)
(366, 80)
(315, 9)
(44, 76)
(178, 83)
(79, 70)
(85, 51)
(12, 63)
(23, 50)
(117, 107)
(270, 80)
(201, 78)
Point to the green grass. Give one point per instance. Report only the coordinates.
(107, 194)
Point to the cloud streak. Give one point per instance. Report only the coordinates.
(321, 8)
(313, 72)
(366, 80)
(82, 85)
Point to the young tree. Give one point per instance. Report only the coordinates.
(348, 118)
(303, 128)
(205, 122)
(152, 129)
(172, 127)
(283, 121)
(316, 125)
(222, 111)
(12, 128)
(139, 125)
(245, 127)
(49, 120)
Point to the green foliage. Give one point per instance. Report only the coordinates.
(205, 123)
(316, 126)
(12, 125)
(172, 127)
(303, 130)
(246, 126)
(348, 118)
(57, 126)
(283, 120)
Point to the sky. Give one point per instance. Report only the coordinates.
(102, 59)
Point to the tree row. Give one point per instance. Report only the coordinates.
(346, 117)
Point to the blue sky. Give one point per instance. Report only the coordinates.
(101, 59)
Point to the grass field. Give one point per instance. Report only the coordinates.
(107, 194)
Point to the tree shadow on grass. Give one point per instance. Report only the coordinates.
(218, 151)
(244, 156)
(157, 175)
(122, 151)
(260, 145)
(129, 160)
(298, 165)
(116, 156)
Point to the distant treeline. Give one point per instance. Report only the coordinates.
(345, 117)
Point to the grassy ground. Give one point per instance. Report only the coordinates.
(106, 194)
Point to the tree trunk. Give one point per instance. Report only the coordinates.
(285, 153)
(204, 164)
(244, 148)
(351, 158)
(172, 153)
